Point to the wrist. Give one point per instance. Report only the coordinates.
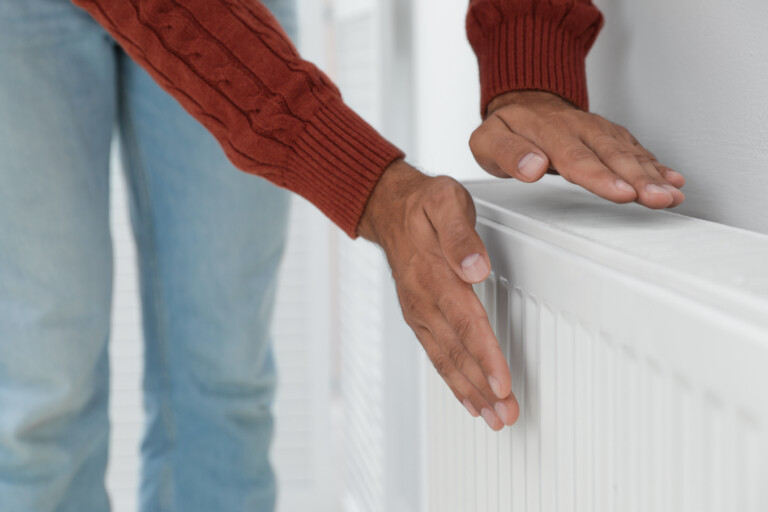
(388, 201)
(528, 97)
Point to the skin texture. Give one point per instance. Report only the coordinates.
(584, 148)
(426, 226)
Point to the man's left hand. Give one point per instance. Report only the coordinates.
(527, 133)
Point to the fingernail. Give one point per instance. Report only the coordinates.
(655, 189)
(669, 188)
(501, 411)
(475, 268)
(488, 416)
(471, 410)
(673, 175)
(495, 386)
(623, 186)
(530, 165)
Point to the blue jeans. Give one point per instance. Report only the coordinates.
(209, 237)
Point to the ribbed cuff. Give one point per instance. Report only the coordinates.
(337, 161)
(530, 53)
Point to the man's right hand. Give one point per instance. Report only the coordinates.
(426, 226)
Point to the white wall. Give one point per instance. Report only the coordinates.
(379, 372)
(447, 95)
(690, 79)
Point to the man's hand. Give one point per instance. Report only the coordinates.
(528, 132)
(427, 229)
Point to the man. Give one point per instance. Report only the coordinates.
(210, 239)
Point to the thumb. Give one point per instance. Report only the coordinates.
(502, 152)
(452, 214)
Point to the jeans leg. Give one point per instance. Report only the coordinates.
(56, 115)
(210, 240)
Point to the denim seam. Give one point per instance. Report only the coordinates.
(149, 258)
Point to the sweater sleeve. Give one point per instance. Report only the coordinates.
(231, 66)
(533, 45)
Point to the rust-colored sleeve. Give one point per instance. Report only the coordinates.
(233, 68)
(533, 44)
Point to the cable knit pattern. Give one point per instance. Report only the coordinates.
(533, 44)
(233, 68)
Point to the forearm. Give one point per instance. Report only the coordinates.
(232, 67)
(533, 45)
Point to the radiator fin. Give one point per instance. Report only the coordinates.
(604, 426)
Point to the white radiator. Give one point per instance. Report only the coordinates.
(638, 344)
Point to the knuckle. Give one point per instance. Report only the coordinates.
(461, 303)
(574, 119)
(445, 182)
(475, 141)
(618, 128)
(423, 335)
(626, 134)
(464, 327)
(457, 233)
(644, 158)
(577, 154)
(506, 148)
(616, 154)
(445, 189)
(443, 365)
(458, 355)
(446, 303)
(412, 304)
(623, 132)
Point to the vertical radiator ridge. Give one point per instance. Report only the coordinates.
(638, 346)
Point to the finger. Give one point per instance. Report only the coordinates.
(451, 212)
(651, 168)
(570, 158)
(502, 152)
(462, 388)
(448, 353)
(673, 177)
(575, 162)
(634, 167)
(578, 164)
(468, 320)
(503, 412)
(507, 409)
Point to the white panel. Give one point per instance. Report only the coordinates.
(379, 356)
(362, 274)
(126, 356)
(302, 452)
(361, 280)
(447, 89)
(639, 347)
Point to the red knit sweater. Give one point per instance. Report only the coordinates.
(232, 67)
